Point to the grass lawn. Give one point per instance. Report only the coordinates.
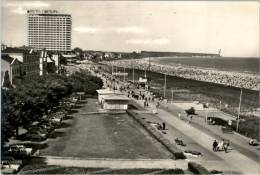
(104, 136)
(51, 169)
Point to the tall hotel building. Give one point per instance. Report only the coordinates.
(49, 29)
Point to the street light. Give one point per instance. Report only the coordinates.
(206, 111)
(238, 113)
(164, 91)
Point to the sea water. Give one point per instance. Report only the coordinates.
(246, 65)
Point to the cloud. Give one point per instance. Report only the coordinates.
(21, 8)
(91, 30)
(19, 11)
(157, 41)
(27, 4)
(110, 30)
(130, 30)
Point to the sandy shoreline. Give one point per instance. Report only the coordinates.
(235, 79)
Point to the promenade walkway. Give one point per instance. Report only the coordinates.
(232, 161)
(117, 163)
(238, 142)
(236, 160)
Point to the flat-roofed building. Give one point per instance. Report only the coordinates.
(49, 29)
(102, 93)
(115, 103)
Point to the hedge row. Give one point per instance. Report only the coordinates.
(197, 168)
(177, 153)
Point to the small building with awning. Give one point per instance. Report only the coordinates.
(102, 93)
(115, 102)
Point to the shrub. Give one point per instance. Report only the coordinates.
(177, 153)
(215, 172)
(173, 171)
(249, 127)
(193, 152)
(197, 168)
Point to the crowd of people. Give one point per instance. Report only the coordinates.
(220, 145)
(235, 79)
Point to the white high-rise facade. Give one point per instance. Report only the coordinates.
(49, 29)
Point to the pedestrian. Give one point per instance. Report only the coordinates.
(220, 145)
(163, 126)
(144, 104)
(159, 127)
(215, 144)
(188, 120)
(157, 104)
(225, 146)
(179, 115)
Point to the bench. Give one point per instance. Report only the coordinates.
(227, 130)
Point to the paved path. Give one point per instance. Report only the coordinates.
(234, 159)
(238, 142)
(117, 163)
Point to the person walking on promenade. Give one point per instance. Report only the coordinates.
(225, 146)
(220, 145)
(163, 126)
(157, 104)
(179, 115)
(215, 144)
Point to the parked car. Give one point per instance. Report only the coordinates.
(9, 165)
(56, 120)
(35, 136)
(19, 150)
(48, 126)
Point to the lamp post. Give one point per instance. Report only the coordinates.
(114, 88)
(133, 74)
(172, 95)
(206, 115)
(124, 73)
(164, 92)
(239, 106)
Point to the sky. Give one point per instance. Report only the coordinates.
(176, 26)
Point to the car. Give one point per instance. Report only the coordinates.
(40, 129)
(55, 120)
(19, 150)
(74, 100)
(35, 136)
(9, 164)
(48, 126)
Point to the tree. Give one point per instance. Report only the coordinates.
(79, 52)
(30, 100)
(85, 82)
(190, 111)
(7, 82)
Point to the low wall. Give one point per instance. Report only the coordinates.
(176, 152)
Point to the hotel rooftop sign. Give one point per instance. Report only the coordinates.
(42, 11)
